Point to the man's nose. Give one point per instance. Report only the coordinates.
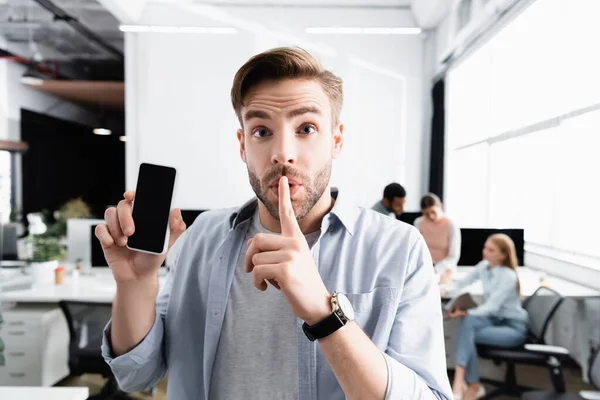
(285, 151)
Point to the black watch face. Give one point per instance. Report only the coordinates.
(345, 306)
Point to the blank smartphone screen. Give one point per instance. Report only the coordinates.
(151, 207)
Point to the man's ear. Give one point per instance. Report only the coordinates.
(338, 139)
(240, 136)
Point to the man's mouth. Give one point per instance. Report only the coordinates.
(293, 185)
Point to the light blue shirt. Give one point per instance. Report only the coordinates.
(500, 296)
(381, 264)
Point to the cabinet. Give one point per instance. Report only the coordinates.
(36, 345)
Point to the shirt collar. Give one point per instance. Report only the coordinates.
(343, 211)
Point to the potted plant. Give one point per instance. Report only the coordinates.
(47, 251)
(74, 208)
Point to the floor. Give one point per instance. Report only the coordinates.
(529, 376)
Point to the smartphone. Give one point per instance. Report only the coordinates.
(151, 209)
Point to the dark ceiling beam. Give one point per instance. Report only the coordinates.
(62, 15)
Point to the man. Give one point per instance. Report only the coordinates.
(392, 204)
(251, 309)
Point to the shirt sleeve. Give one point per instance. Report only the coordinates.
(451, 261)
(417, 223)
(455, 288)
(145, 364)
(505, 287)
(415, 355)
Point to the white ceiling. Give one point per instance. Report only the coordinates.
(27, 29)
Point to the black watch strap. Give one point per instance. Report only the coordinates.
(324, 327)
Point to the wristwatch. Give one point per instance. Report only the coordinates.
(342, 314)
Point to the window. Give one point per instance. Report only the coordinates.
(5, 186)
(523, 123)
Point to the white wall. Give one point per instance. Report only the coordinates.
(179, 112)
(4, 132)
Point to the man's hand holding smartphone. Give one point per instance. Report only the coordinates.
(135, 272)
(129, 265)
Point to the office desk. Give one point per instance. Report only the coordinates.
(35, 331)
(34, 393)
(97, 288)
(575, 326)
(12, 264)
(530, 280)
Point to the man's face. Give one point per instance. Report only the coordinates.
(288, 130)
(398, 205)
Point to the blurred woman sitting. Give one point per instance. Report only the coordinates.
(441, 235)
(499, 321)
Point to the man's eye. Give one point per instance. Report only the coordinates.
(307, 129)
(260, 132)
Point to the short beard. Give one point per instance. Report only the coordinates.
(314, 188)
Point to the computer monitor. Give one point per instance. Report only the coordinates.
(79, 239)
(189, 216)
(84, 245)
(409, 217)
(473, 240)
(8, 242)
(96, 254)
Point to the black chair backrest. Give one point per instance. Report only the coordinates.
(86, 323)
(594, 374)
(541, 306)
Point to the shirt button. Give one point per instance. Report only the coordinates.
(216, 313)
(330, 229)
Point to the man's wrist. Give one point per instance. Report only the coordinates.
(324, 312)
(146, 286)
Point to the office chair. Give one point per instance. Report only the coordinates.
(541, 307)
(86, 323)
(593, 376)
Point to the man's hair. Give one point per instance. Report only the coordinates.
(430, 200)
(285, 63)
(394, 190)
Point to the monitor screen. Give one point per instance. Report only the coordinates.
(8, 242)
(97, 256)
(189, 216)
(79, 239)
(473, 240)
(409, 217)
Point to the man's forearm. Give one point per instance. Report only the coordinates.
(133, 314)
(358, 365)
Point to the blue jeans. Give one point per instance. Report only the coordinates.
(488, 331)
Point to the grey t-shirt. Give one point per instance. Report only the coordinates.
(381, 209)
(257, 355)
